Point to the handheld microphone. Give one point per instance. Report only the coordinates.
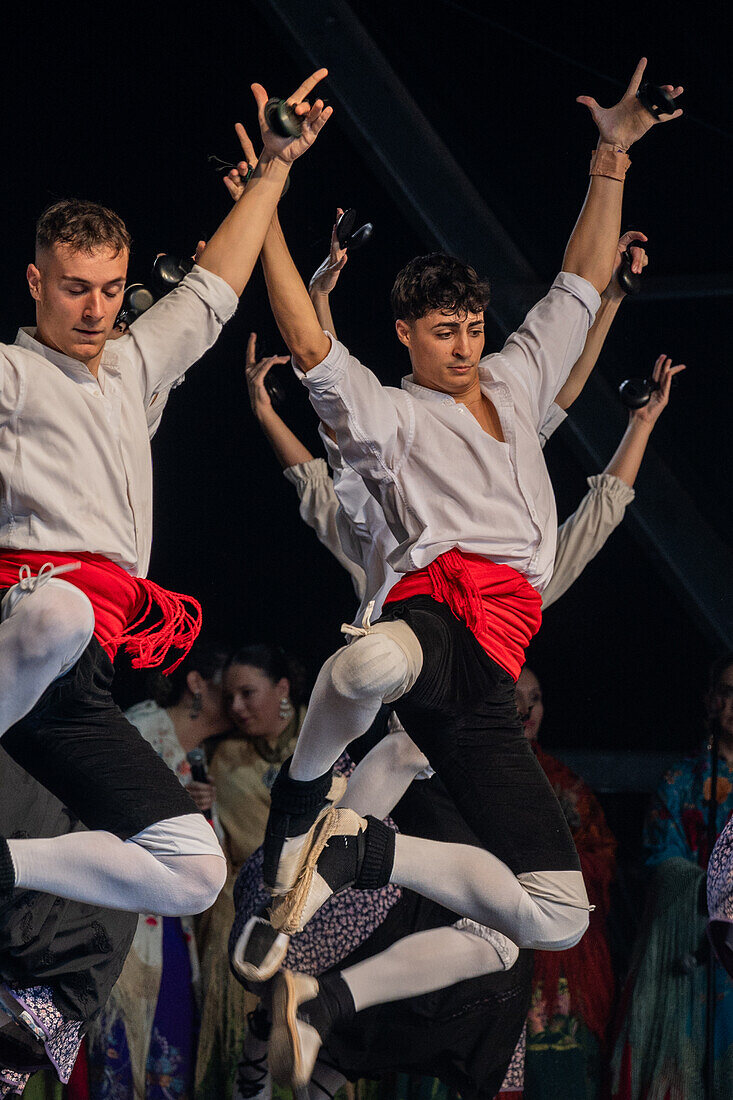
(199, 774)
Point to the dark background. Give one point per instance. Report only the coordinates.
(126, 114)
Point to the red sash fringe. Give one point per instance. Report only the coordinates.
(121, 605)
(497, 604)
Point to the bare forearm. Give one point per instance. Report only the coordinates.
(592, 246)
(630, 452)
(288, 449)
(596, 338)
(322, 306)
(233, 250)
(292, 308)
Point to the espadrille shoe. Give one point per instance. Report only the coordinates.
(347, 850)
(304, 1009)
(296, 812)
(259, 952)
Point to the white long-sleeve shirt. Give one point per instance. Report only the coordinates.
(579, 538)
(440, 479)
(75, 466)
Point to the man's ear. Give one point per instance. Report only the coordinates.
(33, 276)
(404, 332)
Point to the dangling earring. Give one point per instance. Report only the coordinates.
(196, 705)
(287, 710)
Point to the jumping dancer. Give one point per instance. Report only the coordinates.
(454, 460)
(75, 471)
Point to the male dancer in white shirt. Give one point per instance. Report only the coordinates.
(76, 493)
(454, 460)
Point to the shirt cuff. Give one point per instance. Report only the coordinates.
(613, 487)
(325, 374)
(213, 291)
(553, 420)
(304, 472)
(581, 289)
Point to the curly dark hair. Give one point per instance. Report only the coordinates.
(84, 225)
(437, 281)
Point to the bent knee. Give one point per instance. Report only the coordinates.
(188, 848)
(383, 664)
(369, 668)
(57, 620)
(554, 911)
(204, 881)
(403, 753)
(196, 883)
(566, 931)
(554, 927)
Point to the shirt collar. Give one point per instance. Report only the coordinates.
(423, 393)
(109, 362)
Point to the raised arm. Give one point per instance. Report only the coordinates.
(291, 305)
(324, 280)
(325, 277)
(602, 508)
(611, 299)
(233, 250)
(288, 449)
(626, 461)
(592, 247)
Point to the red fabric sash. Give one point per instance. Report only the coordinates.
(121, 605)
(496, 603)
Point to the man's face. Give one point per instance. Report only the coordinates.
(445, 349)
(77, 295)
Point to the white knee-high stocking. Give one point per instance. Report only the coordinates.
(350, 689)
(542, 910)
(175, 868)
(420, 963)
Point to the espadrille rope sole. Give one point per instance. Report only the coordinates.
(287, 911)
(289, 875)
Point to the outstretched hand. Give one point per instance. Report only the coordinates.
(628, 120)
(314, 118)
(663, 373)
(634, 242)
(326, 276)
(236, 179)
(256, 371)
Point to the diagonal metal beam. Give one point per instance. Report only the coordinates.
(656, 288)
(419, 171)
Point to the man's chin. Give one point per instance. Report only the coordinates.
(85, 347)
(457, 381)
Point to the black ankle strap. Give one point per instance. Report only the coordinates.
(378, 861)
(296, 796)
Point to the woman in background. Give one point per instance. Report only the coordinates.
(264, 693)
